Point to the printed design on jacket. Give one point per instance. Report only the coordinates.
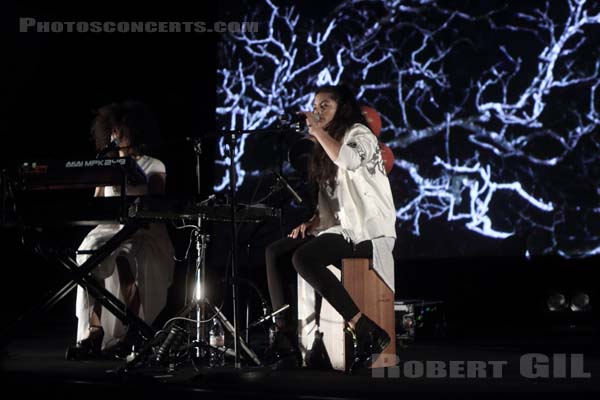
(374, 164)
(359, 149)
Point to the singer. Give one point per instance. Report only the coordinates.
(140, 271)
(355, 218)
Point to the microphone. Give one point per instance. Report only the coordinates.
(297, 122)
(113, 145)
(175, 335)
(287, 185)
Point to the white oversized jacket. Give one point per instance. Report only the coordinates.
(366, 205)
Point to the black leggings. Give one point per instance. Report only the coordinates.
(309, 257)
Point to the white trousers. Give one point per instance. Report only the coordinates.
(151, 258)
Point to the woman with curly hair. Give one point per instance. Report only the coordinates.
(355, 218)
(140, 271)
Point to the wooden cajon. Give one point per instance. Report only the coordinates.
(371, 295)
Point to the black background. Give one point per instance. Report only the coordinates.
(54, 83)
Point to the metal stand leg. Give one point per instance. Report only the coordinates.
(232, 331)
(199, 292)
(201, 301)
(247, 320)
(247, 324)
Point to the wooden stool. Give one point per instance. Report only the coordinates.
(373, 298)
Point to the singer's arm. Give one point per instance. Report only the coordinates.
(99, 191)
(315, 129)
(330, 145)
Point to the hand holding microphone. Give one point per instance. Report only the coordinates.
(313, 123)
(313, 119)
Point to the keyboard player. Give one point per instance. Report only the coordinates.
(140, 271)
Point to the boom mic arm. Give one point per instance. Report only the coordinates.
(286, 185)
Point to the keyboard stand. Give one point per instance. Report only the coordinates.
(82, 275)
(35, 177)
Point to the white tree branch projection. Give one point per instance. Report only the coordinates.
(500, 139)
(255, 93)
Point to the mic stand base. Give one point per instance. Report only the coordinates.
(231, 329)
(197, 346)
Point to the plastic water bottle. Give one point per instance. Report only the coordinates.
(272, 334)
(217, 344)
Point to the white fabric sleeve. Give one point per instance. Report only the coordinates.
(359, 147)
(155, 167)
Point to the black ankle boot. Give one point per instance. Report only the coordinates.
(283, 351)
(88, 348)
(369, 340)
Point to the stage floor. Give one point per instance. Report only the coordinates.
(34, 364)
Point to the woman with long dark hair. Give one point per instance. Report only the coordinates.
(355, 218)
(140, 271)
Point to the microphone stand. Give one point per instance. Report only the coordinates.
(201, 241)
(232, 139)
(232, 192)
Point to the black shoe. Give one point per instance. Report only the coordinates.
(87, 349)
(369, 340)
(283, 352)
